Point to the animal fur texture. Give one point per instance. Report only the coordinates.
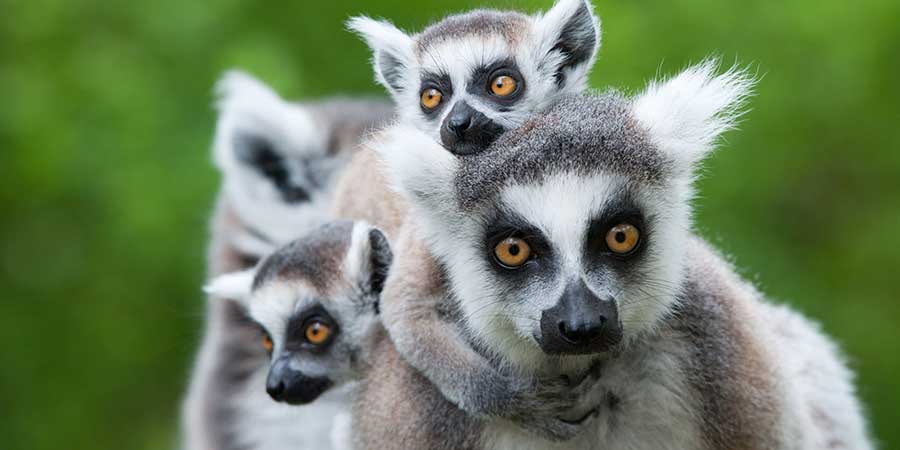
(279, 169)
(546, 55)
(705, 362)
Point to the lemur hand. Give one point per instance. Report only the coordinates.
(546, 407)
(541, 406)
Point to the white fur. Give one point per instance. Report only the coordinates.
(547, 31)
(246, 105)
(423, 168)
(234, 285)
(383, 38)
(358, 262)
(687, 113)
(268, 425)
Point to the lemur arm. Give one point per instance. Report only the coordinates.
(436, 347)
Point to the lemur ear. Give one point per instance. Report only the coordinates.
(392, 51)
(568, 39)
(232, 286)
(257, 128)
(686, 114)
(369, 257)
(419, 168)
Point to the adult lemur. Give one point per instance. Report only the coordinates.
(491, 69)
(567, 245)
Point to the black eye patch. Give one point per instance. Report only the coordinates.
(297, 324)
(482, 77)
(617, 212)
(442, 83)
(260, 154)
(510, 225)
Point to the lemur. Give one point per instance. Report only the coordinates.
(469, 77)
(316, 300)
(279, 161)
(565, 245)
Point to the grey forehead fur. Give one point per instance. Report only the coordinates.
(481, 22)
(583, 134)
(316, 257)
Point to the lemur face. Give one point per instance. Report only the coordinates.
(469, 77)
(316, 300)
(566, 236)
(275, 163)
(572, 262)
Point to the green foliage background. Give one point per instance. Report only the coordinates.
(105, 131)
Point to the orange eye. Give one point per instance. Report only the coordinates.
(622, 238)
(317, 332)
(512, 252)
(267, 343)
(503, 86)
(431, 98)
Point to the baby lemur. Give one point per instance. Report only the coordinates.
(566, 245)
(316, 301)
(469, 77)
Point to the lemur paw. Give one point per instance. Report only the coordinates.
(552, 408)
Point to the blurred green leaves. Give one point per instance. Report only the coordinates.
(107, 186)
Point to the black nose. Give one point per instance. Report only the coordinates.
(466, 130)
(581, 332)
(291, 386)
(580, 323)
(459, 125)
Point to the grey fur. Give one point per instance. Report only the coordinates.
(710, 374)
(579, 134)
(480, 22)
(316, 259)
(230, 360)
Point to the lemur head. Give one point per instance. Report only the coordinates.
(276, 165)
(317, 300)
(466, 79)
(566, 237)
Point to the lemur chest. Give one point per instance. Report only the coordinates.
(264, 424)
(643, 402)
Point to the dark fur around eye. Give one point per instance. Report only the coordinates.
(621, 211)
(513, 226)
(296, 329)
(483, 76)
(440, 82)
(260, 154)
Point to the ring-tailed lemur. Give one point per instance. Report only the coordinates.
(316, 300)
(468, 77)
(568, 243)
(279, 161)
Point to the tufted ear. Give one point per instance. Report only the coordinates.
(568, 39)
(418, 167)
(687, 113)
(260, 131)
(232, 286)
(392, 51)
(369, 258)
